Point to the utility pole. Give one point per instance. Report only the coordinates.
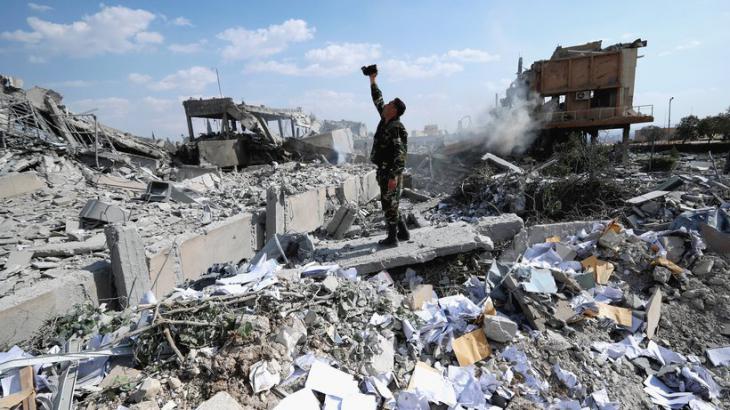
(669, 116)
(219, 82)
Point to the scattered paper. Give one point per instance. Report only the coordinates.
(662, 261)
(328, 380)
(264, 375)
(662, 395)
(358, 401)
(620, 315)
(602, 270)
(431, 384)
(303, 399)
(468, 390)
(471, 348)
(541, 281)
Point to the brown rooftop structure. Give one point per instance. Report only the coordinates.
(584, 88)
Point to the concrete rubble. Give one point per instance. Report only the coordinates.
(137, 275)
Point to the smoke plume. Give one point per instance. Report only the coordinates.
(510, 128)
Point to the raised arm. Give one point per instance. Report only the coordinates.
(377, 95)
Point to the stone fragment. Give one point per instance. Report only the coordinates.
(330, 283)
(148, 390)
(145, 405)
(222, 400)
(499, 328)
(174, 383)
(661, 274)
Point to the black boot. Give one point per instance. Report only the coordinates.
(392, 238)
(403, 234)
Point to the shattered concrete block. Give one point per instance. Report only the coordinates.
(661, 274)
(18, 184)
(222, 400)
(129, 264)
(93, 244)
(341, 222)
(96, 210)
(499, 328)
(500, 228)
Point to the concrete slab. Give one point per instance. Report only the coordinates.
(219, 153)
(230, 240)
(349, 190)
(369, 188)
(18, 184)
(25, 311)
(646, 197)
(339, 140)
(99, 211)
(93, 244)
(426, 244)
(119, 182)
(298, 213)
(500, 228)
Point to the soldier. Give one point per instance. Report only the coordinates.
(390, 144)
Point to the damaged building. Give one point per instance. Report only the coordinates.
(242, 270)
(256, 134)
(583, 88)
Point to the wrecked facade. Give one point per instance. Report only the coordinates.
(583, 88)
(150, 283)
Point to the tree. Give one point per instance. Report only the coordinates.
(653, 133)
(687, 128)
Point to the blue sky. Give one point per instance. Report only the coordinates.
(136, 61)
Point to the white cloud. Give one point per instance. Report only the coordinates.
(149, 37)
(681, 47)
(245, 44)
(346, 58)
(139, 78)
(333, 60)
(193, 79)
(188, 48)
(39, 7)
(182, 22)
(114, 30)
(424, 67)
(36, 59)
(470, 55)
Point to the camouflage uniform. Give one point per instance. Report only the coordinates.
(390, 145)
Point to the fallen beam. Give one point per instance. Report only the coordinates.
(426, 244)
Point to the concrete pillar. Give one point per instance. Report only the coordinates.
(190, 128)
(129, 265)
(281, 128)
(275, 212)
(625, 144)
(594, 136)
